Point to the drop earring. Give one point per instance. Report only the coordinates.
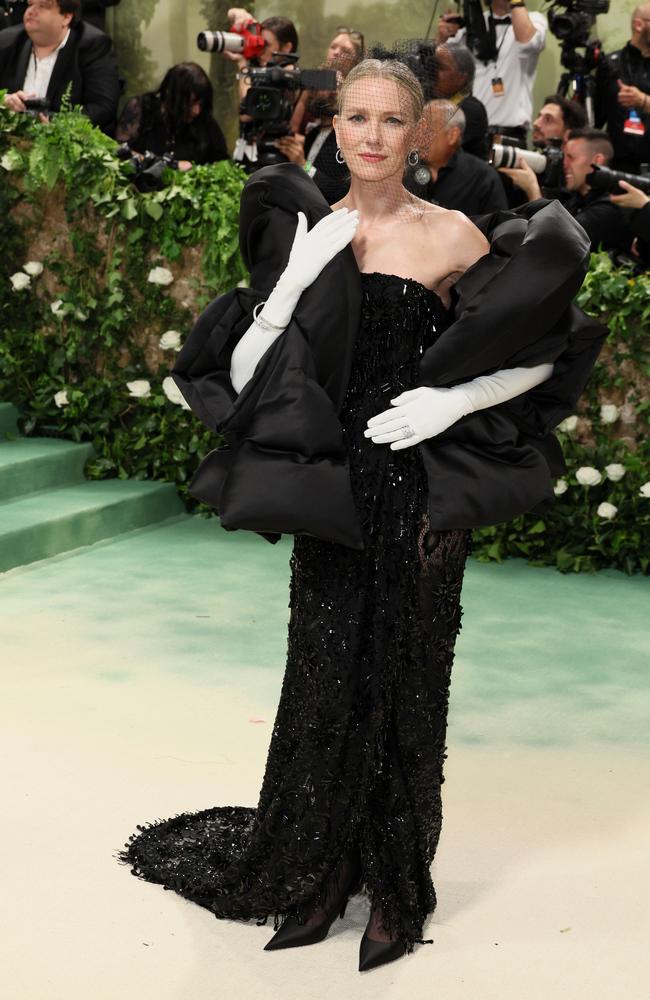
(338, 156)
(413, 158)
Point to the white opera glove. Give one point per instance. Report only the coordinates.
(423, 412)
(310, 253)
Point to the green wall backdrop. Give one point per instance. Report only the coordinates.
(152, 35)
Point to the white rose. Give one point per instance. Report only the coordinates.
(170, 341)
(645, 490)
(173, 393)
(33, 267)
(20, 281)
(607, 510)
(615, 471)
(61, 398)
(560, 487)
(160, 276)
(609, 413)
(11, 160)
(588, 476)
(141, 388)
(568, 424)
(57, 306)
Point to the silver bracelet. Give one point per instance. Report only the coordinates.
(264, 323)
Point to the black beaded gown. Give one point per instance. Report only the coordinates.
(358, 744)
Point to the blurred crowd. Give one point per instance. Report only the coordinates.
(474, 154)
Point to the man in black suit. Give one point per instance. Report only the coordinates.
(53, 52)
(455, 67)
(447, 175)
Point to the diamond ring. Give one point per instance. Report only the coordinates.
(407, 431)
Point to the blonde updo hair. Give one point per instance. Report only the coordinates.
(386, 69)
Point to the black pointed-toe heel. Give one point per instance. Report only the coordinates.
(295, 935)
(375, 953)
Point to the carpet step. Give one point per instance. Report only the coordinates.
(31, 464)
(8, 420)
(48, 522)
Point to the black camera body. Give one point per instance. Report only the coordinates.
(148, 168)
(571, 20)
(37, 106)
(268, 106)
(605, 179)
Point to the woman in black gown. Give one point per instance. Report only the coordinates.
(351, 796)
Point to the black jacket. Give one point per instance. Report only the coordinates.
(331, 178)
(284, 467)
(86, 61)
(466, 184)
(633, 68)
(607, 225)
(475, 137)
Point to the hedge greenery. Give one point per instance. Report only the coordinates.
(92, 321)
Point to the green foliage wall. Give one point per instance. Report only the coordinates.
(88, 339)
(100, 284)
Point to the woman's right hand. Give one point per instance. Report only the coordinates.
(312, 251)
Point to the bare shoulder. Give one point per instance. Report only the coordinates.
(460, 235)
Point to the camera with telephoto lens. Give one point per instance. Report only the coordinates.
(247, 41)
(605, 179)
(547, 163)
(148, 168)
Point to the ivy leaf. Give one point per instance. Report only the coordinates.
(129, 209)
(154, 210)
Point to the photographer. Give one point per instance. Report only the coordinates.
(454, 80)
(54, 51)
(623, 96)
(316, 150)
(504, 82)
(606, 225)
(555, 120)
(458, 180)
(176, 119)
(279, 34)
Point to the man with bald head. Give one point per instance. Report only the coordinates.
(623, 96)
(458, 180)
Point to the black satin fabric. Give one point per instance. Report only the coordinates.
(285, 468)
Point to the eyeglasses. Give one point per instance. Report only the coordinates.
(342, 29)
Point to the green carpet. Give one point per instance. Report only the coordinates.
(542, 659)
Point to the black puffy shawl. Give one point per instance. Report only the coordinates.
(284, 466)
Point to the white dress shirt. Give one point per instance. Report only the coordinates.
(39, 71)
(515, 65)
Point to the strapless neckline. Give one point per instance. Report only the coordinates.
(396, 277)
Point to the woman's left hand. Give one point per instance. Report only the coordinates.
(416, 415)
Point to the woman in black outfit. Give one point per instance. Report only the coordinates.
(177, 119)
(322, 395)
